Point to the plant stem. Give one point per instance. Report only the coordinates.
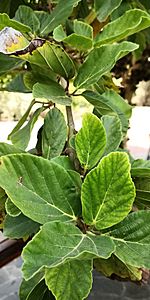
(70, 121)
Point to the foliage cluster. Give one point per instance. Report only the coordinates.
(77, 198)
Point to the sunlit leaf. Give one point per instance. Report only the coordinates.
(102, 60)
(90, 141)
(64, 280)
(108, 192)
(132, 21)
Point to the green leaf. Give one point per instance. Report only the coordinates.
(113, 129)
(64, 161)
(140, 168)
(38, 74)
(61, 242)
(81, 39)
(40, 292)
(105, 8)
(8, 149)
(79, 42)
(58, 16)
(53, 57)
(113, 265)
(5, 21)
(64, 280)
(142, 185)
(110, 103)
(28, 286)
(59, 34)
(8, 63)
(54, 133)
(53, 92)
(108, 192)
(11, 209)
(83, 29)
(47, 191)
(22, 120)
(102, 60)
(132, 239)
(19, 227)
(132, 21)
(90, 141)
(17, 85)
(21, 137)
(25, 15)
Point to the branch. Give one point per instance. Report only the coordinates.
(70, 122)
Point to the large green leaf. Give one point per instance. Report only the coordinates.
(26, 15)
(132, 21)
(21, 138)
(5, 21)
(53, 57)
(64, 280)
(132, 239)
(47, 191)
(19, 227)
(8, 63)
(110, 103)
(90, 141)
(54, 134)
(105, 8)
(58, 16)
(102, 60)
(61, 242)
(113, 265)
(53, 92)
(113, 128)
(108, 191)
